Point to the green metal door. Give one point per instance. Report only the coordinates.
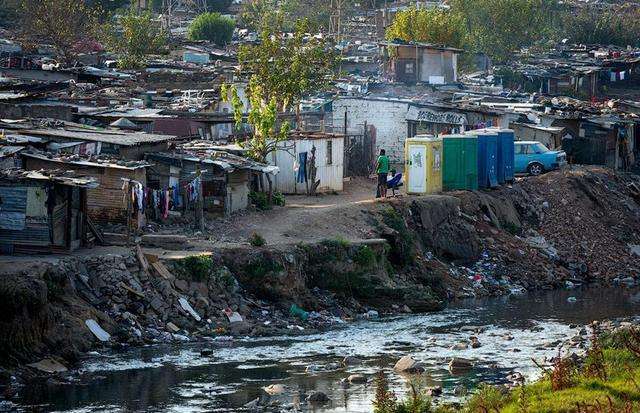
(460, 162)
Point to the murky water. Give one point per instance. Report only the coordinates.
(178, 379)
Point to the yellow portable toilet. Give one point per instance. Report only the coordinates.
(423, 164)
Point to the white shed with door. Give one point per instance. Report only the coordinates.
(329, 162)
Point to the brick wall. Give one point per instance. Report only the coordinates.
(387, 116)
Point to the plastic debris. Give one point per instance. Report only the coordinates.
(97, 330)
(187, 307)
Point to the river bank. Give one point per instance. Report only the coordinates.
(420, 253)
(602, 378)
(511, 330)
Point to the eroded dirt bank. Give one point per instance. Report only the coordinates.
(556, 230)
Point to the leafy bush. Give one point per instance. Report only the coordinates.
(212, 27)
(195, 268)
(259, 200)
(257, 240)
(261, 266)
(403, 249)
(138, 36)
(336, 243)
(278, 199)
(365, 257)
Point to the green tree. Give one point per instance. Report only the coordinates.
(257, 14)
(212, 27)
(433, 25)
(218, 5)
(268, 131)
(617, 25)
(262, 117)
(137, 36)
(9, 10)
(288, 68)
(61, 23)
(108, 5)
(500, 27)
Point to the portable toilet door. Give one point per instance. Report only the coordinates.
(434, 166)
(423, 170)
(487, 157)
(460, 162)
(506, 155)
(416, 166)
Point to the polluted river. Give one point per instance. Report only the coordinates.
(511, 331)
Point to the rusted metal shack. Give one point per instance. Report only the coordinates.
(43, 211)
(107, 203)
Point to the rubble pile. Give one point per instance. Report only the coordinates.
(592, 217)
(565, 228)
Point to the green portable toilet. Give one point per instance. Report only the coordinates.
(460, 162)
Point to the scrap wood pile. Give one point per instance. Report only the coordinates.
(591, 216)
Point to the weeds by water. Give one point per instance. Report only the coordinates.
(416, 401)
(605, 381)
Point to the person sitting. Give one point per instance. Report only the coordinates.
(394, 181)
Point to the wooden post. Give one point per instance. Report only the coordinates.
(83, 217)
(128, 195)
(67, 234)
(199, 203)
(345, 122)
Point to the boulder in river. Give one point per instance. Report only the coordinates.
(357, 379)
(351, 361)
(408, 364)
(474, 342)
(459, 346)
(458, 364)
(274, 389)
(317, 397)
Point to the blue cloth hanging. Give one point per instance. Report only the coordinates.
(302, 171)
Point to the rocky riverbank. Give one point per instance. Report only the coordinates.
(597, 372)
(561, 229)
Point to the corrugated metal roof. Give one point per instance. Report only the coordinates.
(111, 163)
(130, 113)
(105, 136)
(9, 150)
(66, 178)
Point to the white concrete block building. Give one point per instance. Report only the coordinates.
(387, 116)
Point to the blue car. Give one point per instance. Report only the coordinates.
(534, 158)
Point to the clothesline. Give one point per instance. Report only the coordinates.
(161, 201)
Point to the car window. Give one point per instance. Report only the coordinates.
(540, 148)
(521, 149)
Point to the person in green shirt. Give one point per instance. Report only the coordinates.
(382, 169)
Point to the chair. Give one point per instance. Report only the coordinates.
(395, 183)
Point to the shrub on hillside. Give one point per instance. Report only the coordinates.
(212, 27)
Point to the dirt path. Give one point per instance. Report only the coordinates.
(305, 218)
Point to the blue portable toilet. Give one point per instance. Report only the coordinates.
(487, 157)
(506, 154)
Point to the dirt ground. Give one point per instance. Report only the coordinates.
(305, 219)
